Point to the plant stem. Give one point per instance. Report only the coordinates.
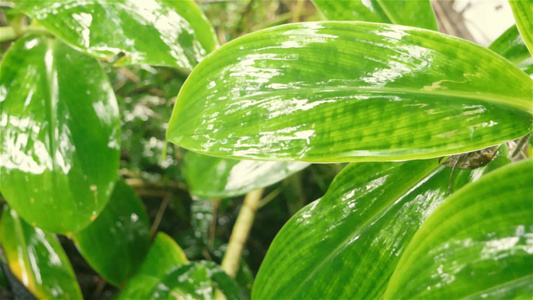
(240, 232)
(7, 34)
(520, 145)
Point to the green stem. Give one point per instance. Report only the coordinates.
(240, 232)
(7, 34)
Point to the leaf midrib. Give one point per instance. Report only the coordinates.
(411, 185)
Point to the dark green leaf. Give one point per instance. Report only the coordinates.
(404, 12)
(59, 143)
(156, 32)
(476, 245)
(195, 280)
(523, 13)
(163, 256)
(120, 236)
(214, 177)
(36, 258)
(346, 245)
(201, 218)
(350, 91)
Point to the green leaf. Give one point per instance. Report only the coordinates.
(120, 236)
(357, 231)
(404, 12)
(213, 177)
(195, 280)
(59, 143)
(156, 32)
(36, 258)
(511, 46)
(476, 245)
(523, 13)
(163, 256)
(350, 91)
(3, 280)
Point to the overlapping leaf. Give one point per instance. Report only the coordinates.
(404, 12)
(350, 91)
(348, 243)
(476, 245)
(523, 13)
(156, 32)
(36, 258)
(163, 256)
(511, 46)
(59, 137)
(214, 177)
(120, 236)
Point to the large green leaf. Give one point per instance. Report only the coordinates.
(346, 245)
(36, 258)
(214, 177)
(59, 137)
(120, 236)
(417, 13)
(350, 91)
(476, 245)
(163, 256)
(523, 13)
(156, 32)
(511, 46)
(195, 280)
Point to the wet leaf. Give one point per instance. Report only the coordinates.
(214, 177)
(350, 91)
(155, 32)
(120, 236)
(404, 12)
(36, 258)
(358, 230)
(195, 280)
(59, 143)
(523, 14)
(163, 256)
(476, 245)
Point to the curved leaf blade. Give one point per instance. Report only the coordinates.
(350, 91)
(155, 32)
(403, 12)
(478, 242)
(120, 236)
(213, 177)
(511, 46)
(523, 13)
(195, 280)
(357, 231)
(59, 143)
(37, 259)
(163, 256)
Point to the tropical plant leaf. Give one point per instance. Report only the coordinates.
(155, 32)
(213, 177)
(476, 245)
(36, 258)
(511, 46)
(350, 91)
(59, 143)
(120, 236)
(523, 14)
(404, 12)
(195, 280)
(163, 256)
(357, 232)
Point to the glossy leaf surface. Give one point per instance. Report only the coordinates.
(214, 177)
(346, 245)
(59, 143)
(155, 32)
(523, 14)
(350, 91)
(37, 259)
(417, 13)
(195, 280)
(476, 245)
(511, 46)
(120, 236)
(163, 256)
